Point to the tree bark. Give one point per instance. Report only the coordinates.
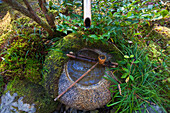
(49, 17)
(31, 13)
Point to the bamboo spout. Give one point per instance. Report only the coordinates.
(87, 13)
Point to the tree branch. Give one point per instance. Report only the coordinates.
(49, 17)
(28, 6)
(30, 13)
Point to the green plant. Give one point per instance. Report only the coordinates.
(142, 83)
(117, 21)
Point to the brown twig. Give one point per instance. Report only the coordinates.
(4, 72)
(76, 81)
(26, 11)
(28, 6)
(114, 77)
(145, 100)
(120, 89)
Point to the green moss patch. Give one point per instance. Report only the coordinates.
(22, 57)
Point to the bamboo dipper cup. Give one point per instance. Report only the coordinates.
(102, 59)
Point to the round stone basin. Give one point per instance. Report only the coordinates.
(90, 92)
(76, 68)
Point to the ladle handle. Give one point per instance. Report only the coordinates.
(76, 81)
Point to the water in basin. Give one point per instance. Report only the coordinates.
(76, 68)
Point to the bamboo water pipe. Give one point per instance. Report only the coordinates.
(87, 13)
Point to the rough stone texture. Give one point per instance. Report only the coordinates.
(149, 109)
(32, 94)
(84, 97)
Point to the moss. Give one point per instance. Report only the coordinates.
(161, 35)
(33, 94)
(5, 25)
(24, 23)
(56, 58)
(3, 38)
(22, 57)
(53, 66)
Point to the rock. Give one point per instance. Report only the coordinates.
(30, 97)
(151, 109)
(161, 34)
(92, 91)
(55, 60)
(8, 104)
(5, 23)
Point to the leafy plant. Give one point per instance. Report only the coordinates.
(141, 82)
(111, 20)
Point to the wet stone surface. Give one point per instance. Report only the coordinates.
(77, 68)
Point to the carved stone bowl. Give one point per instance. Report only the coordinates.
(92, 91)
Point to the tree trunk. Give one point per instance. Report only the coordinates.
(31, 13)
(49, 17)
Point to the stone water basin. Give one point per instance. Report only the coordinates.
(90, 92)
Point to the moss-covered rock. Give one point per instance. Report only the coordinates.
(5, 25)
(32, 94)
(161, 35)
(22, 56)
(56, 58)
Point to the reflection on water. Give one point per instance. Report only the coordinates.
(76, 68)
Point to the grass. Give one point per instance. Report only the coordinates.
(142, 82)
